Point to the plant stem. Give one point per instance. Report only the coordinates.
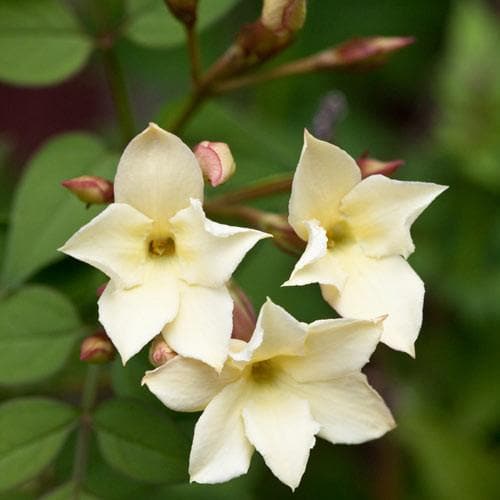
(194, 54)
(119, 94)
(278, 184)
(250, 215)
(194, 101)
(81, 453)
(203, 90)
(301, 66)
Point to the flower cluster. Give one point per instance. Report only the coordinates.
(273, 383)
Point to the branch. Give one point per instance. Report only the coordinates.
(89, 395)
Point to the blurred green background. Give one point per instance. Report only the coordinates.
(435, 104)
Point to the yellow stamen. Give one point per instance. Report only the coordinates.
(162, 247)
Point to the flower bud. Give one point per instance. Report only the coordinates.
(100, 289)
(284, 15)
(97, 349)
(363, 52)
(216, 161)
(244, 317)
(271, 33)
(183, 10)
(160, 352)
(283, 234)
(371, 166)
(90, 189)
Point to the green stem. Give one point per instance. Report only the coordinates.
(89, 395)
(119, 94)
(203, 89)
(194, 54)
(278, 184)
(250, 215)
(193, 103)
(298, 67)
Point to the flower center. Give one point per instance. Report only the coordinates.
(262, 371)
(338, 233)
(161, 247)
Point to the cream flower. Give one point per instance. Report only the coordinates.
(167, 262)
(289, 383)
(358, 239)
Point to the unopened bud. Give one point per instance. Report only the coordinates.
(216, 161)
(160, 352)
(284, 15)
(97, 349)
(272, 32)
(183, 10)
(244, 317)
(284, 237)
(100, 289)
(371, 166)
(91, 189)
(364, 52)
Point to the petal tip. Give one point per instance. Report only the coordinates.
(154, 127)
(308, 137)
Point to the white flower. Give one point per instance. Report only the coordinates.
(167, 262)
(358, 239)
(289, 383)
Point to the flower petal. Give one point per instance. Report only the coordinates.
(376, 287)
(133, 317)
(324, 175)
(158, 174)
(184, 384)
(203, 325)
(220, 450)
(277, 333)
(348, 409)
(334, 347)
(209, 252)
(317, 264)
(114, 242)
(282, 429)
(381, 211)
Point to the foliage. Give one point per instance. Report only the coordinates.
(437, 105)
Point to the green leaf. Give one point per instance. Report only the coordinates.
(107, 483)
(40, 42)
(32, 431)
(126, 380)
(152, 25)
(469, 86)
(238, 488)
(141, 442)
(44, 215)
(67, 492)
(451, 465)
(37, 333)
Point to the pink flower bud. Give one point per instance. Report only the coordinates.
(160, 352)
(368, 51)
(100, 289)
(271, 33)
(91, 189)
(244, 317)
(216, 161)
(371, 166)
(284, 15)
(97, 349)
